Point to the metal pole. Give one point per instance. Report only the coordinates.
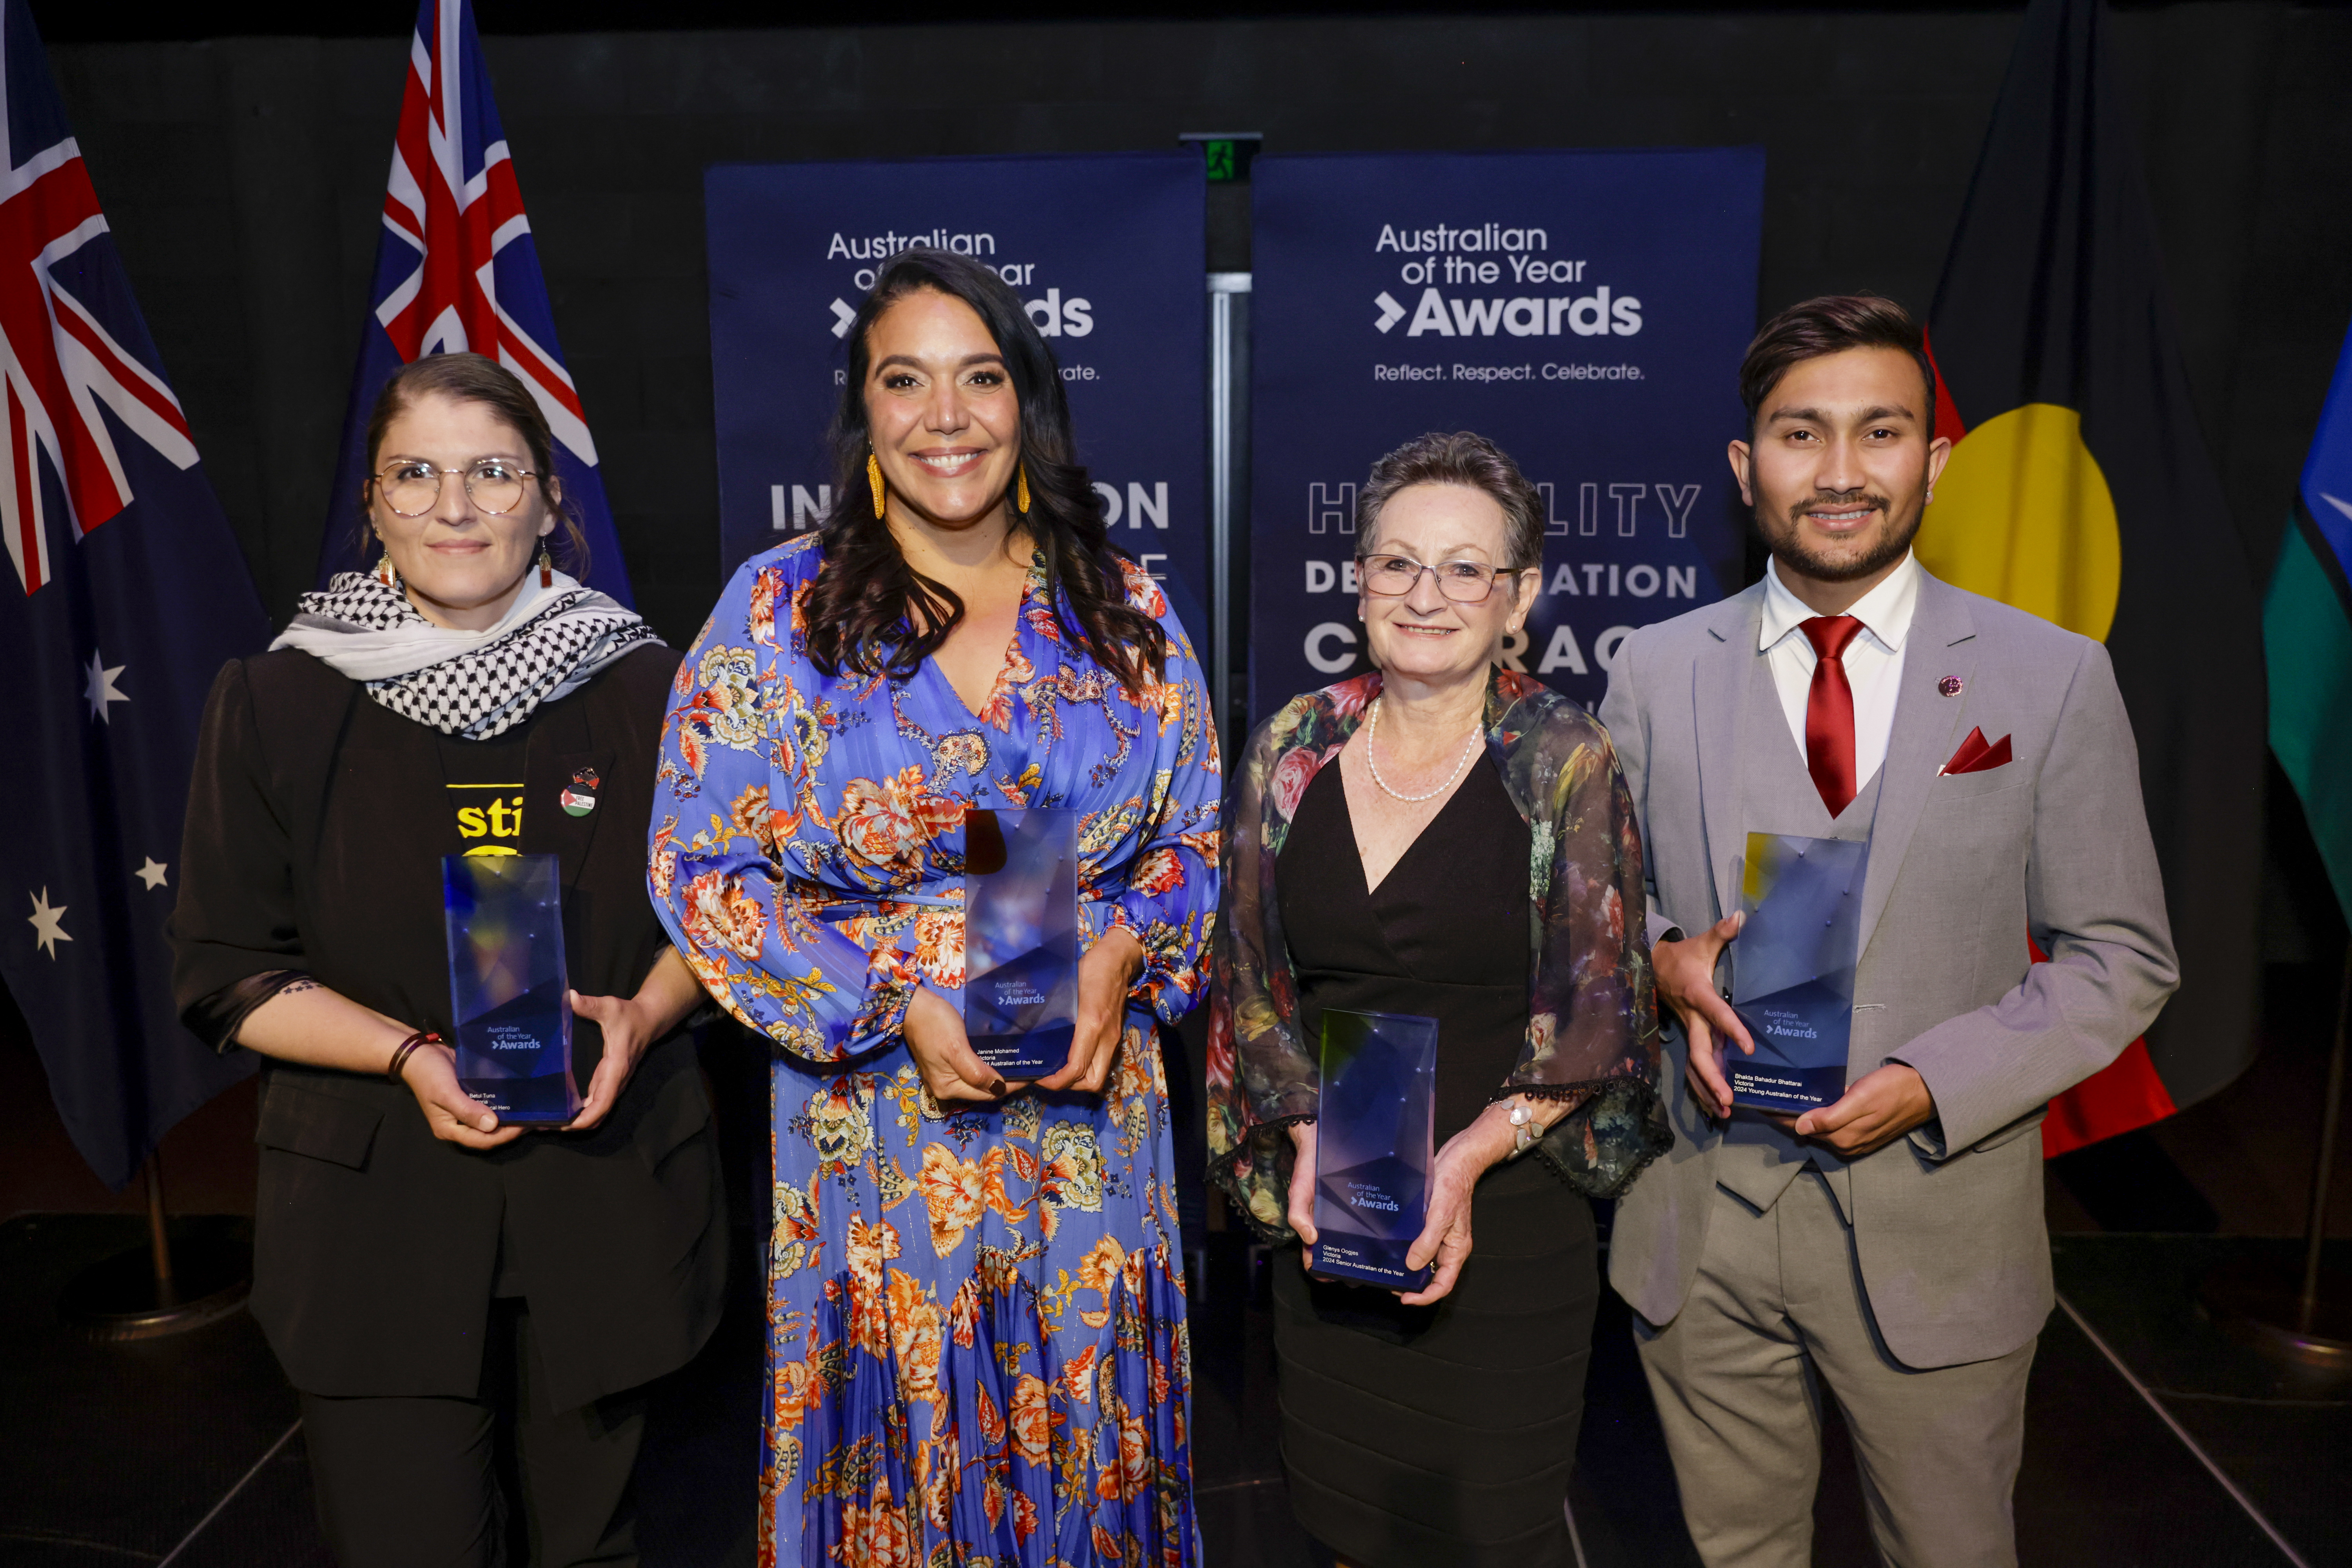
(1222, 287)
(1221, 479)
(2331, 1116)
(158, 1241)
(2271, 1305)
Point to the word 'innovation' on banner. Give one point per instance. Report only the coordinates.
(1103, 251)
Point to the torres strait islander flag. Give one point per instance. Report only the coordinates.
(130, 593)
(2080, 489)
(2308, 627)
(456, 270)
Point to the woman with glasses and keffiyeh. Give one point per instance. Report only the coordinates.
(452, 1297)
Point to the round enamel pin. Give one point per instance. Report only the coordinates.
(579, 797)
(1949, 685)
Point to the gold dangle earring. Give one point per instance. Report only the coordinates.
(386, 572)
(546, 566)
(873, 478)
(1021, 480)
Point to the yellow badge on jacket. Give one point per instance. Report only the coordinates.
(498, 818)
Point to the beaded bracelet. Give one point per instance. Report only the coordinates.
(1525, 1133)
(407, 1049)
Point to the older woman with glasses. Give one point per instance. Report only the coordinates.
(454, 1298)
(1443, 838)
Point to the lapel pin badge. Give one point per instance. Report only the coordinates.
(1949, 685)
(579, 797)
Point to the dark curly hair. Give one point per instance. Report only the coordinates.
(865, 606)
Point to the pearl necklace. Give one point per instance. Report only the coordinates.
(1372, 734)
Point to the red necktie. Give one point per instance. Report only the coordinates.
(1829, 710)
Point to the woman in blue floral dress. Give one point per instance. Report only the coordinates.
(976, 1351)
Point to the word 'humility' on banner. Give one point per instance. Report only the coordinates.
(1585, 310)
(1105, 254)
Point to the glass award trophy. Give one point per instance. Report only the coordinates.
(1792, 969)
(1374, 1142)
(1021, 938)
(505, 915)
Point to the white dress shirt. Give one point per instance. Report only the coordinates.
(1874, 659)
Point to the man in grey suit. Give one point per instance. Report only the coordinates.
(1889, 1245)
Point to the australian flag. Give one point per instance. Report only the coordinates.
(456, 270)
(131, 592)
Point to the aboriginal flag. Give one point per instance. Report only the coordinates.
(2081, 489)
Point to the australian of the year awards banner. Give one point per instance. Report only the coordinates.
(1105, 252)
(1585, 310)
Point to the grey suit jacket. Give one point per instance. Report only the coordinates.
(1947, 1221)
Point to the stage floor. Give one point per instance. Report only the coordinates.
(185, 1451)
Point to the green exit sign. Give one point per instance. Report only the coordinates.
(1225, 155)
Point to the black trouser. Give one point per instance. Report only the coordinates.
(442, 1483)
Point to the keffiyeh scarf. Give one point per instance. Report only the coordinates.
(474, 685)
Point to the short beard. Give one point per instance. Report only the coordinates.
(1891, 547)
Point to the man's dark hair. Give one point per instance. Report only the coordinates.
(1828, 325)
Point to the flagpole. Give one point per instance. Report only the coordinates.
(158, 1237)
(157, 1289)
(2331, 1119)
(2305, 1321)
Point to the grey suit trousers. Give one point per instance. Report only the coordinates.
(1778, 1310)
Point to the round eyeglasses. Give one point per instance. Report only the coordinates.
(1463, 582)
(493, 485)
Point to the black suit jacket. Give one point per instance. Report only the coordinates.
(312, 844)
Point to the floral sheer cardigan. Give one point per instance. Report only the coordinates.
(1592, 1034)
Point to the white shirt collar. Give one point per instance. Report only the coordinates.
(1885, 612)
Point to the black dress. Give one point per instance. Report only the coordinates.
(1439, 1435)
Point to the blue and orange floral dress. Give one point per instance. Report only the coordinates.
(977, 1350)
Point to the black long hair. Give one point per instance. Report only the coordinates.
(867, 605)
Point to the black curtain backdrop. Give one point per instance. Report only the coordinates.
(243, 177)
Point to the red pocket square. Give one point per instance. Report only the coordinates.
(1975, 757)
